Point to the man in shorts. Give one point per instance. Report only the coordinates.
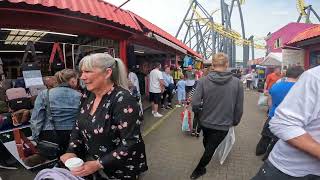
(156, 88)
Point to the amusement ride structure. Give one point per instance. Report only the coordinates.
(205, 35)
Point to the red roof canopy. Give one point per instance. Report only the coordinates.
(307, 34)
(155, 29)
(96, 8)
(104, 10)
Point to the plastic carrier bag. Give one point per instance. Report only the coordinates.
(263, 100)
(225, 146)
(185, 122)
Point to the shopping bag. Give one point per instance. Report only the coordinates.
(225, 146)
(263, 100)
(185, 121)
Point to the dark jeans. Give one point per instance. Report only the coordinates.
(211, 140)
(249, 82)
(269, 172)
(62, 138)
(196, 125)
(267, 141)
(167, 94)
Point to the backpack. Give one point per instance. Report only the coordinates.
(15, 93)
(54, 64)
(5, 121)
(20, 103)
(28, 66)
(19, 83)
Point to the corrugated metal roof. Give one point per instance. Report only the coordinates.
(155, 29)
(97, 8)
(307, 34)
(105, 10)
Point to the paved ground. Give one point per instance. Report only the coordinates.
(172, 155)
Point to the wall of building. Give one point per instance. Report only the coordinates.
(293, 57)
(286, 33)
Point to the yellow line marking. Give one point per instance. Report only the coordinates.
(158, 123)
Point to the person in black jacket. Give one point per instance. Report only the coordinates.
(219, 97)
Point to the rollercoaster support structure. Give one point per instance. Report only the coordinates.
(201, 33)
(306, 13)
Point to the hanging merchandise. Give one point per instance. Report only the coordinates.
(187, 61)
(56, 65)
(30, 64)
(197, 65)
(79, 56)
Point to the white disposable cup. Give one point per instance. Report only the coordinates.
(73, 163)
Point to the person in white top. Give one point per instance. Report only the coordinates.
(297, 125)
(156, 85)
(133, 78)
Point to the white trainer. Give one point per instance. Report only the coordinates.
(157, 115)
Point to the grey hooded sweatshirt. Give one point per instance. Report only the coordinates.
(219, 98)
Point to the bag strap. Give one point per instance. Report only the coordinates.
(48, 110)
(30, 47)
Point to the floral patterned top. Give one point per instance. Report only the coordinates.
(112, 134)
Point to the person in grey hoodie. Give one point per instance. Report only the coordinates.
(222, 107)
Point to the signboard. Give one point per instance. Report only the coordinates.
(32, 78)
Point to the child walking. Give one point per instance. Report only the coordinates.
(181, 91)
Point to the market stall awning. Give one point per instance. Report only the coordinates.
(155, 29)
(97, 8)
(305, 35)
(169, 43)
(273, 59)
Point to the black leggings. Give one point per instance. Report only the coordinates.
(166, 94)
(196, 125)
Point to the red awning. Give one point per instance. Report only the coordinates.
(307, 34)
(104, 10)
(155, 29)
(97, 8)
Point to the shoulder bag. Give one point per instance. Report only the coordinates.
(50, 150)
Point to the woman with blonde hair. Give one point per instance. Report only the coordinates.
(55, 110)
(108, 126)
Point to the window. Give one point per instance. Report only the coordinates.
(277, 43)
(314, 58)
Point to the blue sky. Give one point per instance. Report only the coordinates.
(260, 16)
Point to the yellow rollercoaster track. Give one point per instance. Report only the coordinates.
(228, 33)
(301, 7)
